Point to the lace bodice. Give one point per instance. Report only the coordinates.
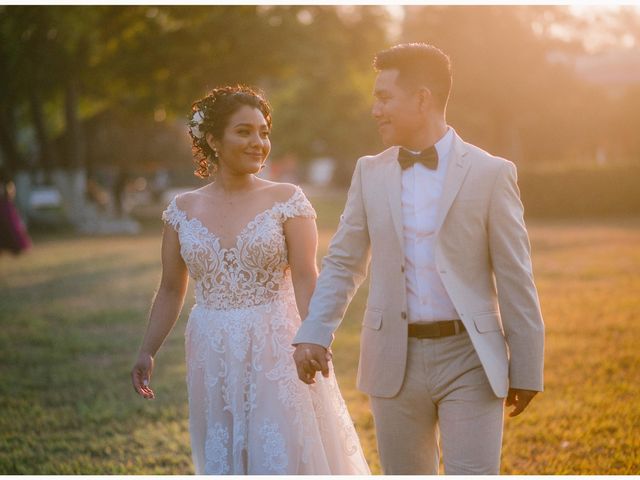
(254, 271)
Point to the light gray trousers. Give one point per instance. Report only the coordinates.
(445, 388)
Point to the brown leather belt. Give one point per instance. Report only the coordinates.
(444, 328)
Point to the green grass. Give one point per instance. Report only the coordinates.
(74, 309)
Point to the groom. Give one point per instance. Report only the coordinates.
(452, 324)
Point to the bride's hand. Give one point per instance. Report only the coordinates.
(311, 358)
(141, 376)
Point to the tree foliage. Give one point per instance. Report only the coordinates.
(63, 68)
(150, 63)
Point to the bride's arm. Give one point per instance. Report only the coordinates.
(301, 236)
(165, 309)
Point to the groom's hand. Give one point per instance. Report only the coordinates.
(519, 398)
(311, 358)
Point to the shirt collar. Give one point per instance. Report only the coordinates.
(443, 146)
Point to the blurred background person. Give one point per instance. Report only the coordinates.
(13, 233)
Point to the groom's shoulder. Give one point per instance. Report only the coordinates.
(382, 158)
(483, 159)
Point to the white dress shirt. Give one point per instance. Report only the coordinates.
(427, 298)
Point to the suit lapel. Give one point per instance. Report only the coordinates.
(393, 181)
(457, 169)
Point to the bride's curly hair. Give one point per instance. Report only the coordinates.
(211, 114)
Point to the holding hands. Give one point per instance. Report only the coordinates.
(311, 358)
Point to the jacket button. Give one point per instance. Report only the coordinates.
(402, 268)
(404, 315)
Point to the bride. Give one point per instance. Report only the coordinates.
(250, 247)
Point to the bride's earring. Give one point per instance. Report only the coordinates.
(213, 165)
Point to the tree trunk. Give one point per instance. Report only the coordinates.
(75, 196)
(74, 144)
(46, 156)
(10, 153)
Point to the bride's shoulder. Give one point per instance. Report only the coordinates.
(281, 192)
(185, 200)
(289, 200)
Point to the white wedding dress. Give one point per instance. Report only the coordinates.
(248, 411)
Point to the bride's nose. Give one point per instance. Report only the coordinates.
(257, 140)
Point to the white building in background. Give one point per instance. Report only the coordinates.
(321, 171)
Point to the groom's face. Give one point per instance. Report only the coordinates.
(396, 110)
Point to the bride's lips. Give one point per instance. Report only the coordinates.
(383, 124)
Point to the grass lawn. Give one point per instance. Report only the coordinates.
(74, 309)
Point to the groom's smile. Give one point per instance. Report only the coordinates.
(395, 110)
(383, 123)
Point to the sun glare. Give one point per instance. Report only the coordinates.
(600, 29)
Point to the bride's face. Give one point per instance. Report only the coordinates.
(245, 143)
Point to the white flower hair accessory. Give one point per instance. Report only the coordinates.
(195, 123)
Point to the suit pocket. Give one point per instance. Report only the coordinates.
(487, 322)
(372, 319)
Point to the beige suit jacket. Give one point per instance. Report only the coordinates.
(482, 256)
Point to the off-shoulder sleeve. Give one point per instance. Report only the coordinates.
(172, 215)
(298, 205)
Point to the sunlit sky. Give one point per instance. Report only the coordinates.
(598, 33)
(593, 37)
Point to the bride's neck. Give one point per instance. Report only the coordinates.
(230, 183)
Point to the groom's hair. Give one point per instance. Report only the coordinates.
(419, 65)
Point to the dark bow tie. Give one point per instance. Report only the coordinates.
(428, 157)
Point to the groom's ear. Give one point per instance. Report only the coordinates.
(425, 98)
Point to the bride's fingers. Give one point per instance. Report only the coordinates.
(148, 393)
(317, 362)
(307, 363)
(302, 374)
(308, 368)
(324, 367)
(316, 366)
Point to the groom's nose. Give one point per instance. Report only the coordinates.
(376, 109)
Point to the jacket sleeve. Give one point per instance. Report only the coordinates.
(344, 268)
(517, 296)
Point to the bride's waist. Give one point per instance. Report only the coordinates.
(241, 302)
